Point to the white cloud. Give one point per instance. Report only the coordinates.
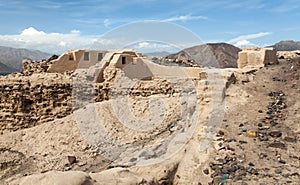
(143, 44)
(62, 43)
(32, 31)
(75, 32)
(185, 18)
(32, 38)
(152, 46)
(243, 41)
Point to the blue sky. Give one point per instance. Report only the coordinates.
(58, 25)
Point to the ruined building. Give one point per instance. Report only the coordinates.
(256, 57)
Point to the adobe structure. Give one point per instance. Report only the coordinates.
(256, 57)
(81, 58)
(137, 66)
(43, 90)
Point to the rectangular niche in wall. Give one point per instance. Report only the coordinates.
(123, 60)
(71, 56)
(100, 56)
(86, 56)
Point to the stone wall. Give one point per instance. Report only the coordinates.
(27, 101)
(256, 57)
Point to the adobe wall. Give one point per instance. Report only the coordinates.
(256, 57)
(30, 67)
(26, 101)
(66, 62)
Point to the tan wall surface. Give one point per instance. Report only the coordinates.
(256, 57)
(63, 63)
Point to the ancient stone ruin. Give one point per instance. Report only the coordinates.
(256, 57)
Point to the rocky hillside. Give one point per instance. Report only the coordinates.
(12, 57)
(219, 55)
(4, 69)
(287, 45)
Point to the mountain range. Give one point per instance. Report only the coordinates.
(287, 45)
(11, 58)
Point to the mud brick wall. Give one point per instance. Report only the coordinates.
(23, 104)
(26, 101)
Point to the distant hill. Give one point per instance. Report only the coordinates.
(4, 69)
(287, 45)
(12, 57)
(220, 55)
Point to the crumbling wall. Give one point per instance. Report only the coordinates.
(256, 57)
(288, 54)
(30, 67)
(27, 101)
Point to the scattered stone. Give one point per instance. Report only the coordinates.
(243, 129)
(231, 80)
(282, 161)
(72, 159)
(252, 133)
(216, 180)
(251, 164)
(206, 171)
(275, 133)
(278, 171)
(243, 142)
(220, 133)
(277, 144)
(295, 174)
(263, 155)
(224, 179)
